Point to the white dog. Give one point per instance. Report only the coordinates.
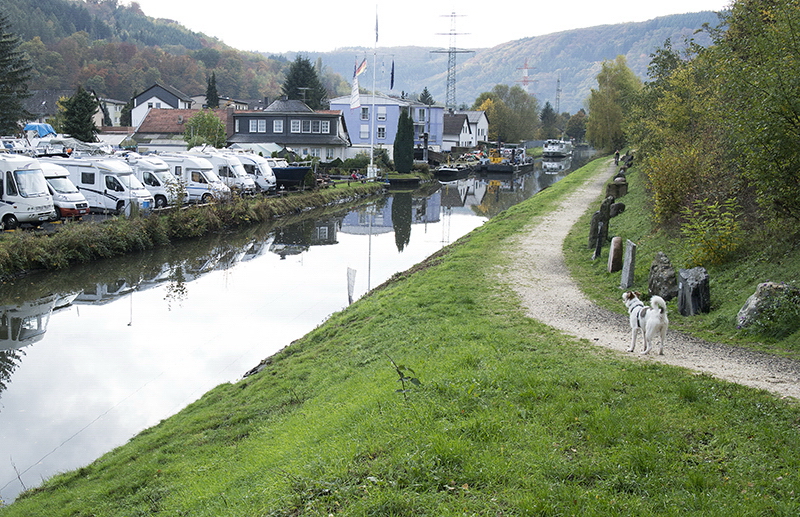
(652, 320)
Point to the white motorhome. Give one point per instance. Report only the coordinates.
(257, 167)
(229, 169)
(157, 178)
(24, 197)
(107, 183)
(69, 202)
(197, 175)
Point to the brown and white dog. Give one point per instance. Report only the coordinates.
(652, 320)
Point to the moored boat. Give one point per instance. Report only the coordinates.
(555, 147)
(288, 175)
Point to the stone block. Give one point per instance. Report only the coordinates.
(662, 280)
(694, 295)
(615, 255)
(628, 265)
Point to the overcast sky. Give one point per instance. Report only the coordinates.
(324, 25)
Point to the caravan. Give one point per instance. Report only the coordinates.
(229, 169)
(107, 183)
(197, 174)
(69, 202)
(155, 174)
(24, 197)
(257, 167)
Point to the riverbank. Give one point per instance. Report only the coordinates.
(81, 242)
(497, 414)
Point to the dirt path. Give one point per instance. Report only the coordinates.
(540, 277)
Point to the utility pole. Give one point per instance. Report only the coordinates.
(558, 95)
(451, 52)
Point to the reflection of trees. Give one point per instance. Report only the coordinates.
(9, 360)
(401, 219)
(176, 288)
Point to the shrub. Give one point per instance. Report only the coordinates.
(712, 231)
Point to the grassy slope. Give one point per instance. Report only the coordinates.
(760, 259)
(511, 418)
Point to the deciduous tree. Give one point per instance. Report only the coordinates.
(609, 104)
(205, 128)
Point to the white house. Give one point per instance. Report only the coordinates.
(479, 126)
(457, 132)
(158, 96)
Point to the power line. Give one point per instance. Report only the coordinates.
(451, 52)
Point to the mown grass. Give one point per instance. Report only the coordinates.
(761, 258)
(511, 418)
(22, 251)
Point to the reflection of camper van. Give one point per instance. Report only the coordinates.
(154, 173)
(197, 174)
(68, 201)
(24, 197)
(107, 183)
(257, 167)
(229, 169)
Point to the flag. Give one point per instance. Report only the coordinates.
(391, 77)
(376, 26)
(355, 97)
(360, 68)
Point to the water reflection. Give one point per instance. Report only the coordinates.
(92, 355)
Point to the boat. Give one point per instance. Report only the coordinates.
(555, 147)
(508, 161)
(288, 175)
(555, 165)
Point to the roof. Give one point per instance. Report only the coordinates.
(162, 120)
(473, 116)
(454, 123)
(288, 106)
(290, 140)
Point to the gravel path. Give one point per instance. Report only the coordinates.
(538, 274)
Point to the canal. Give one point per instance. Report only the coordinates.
(93, 355)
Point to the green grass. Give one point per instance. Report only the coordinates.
(762, 258)
(511, 418)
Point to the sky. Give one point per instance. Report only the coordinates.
(323, 25)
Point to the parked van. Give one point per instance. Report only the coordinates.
(69, 202)
(257, 167)
(155, 174)
(197, 175)
(229, 169)
(107, 183)
(24, 197)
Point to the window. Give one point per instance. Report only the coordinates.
(382, 132)
(87, 177)
(306, 126)
(381, 112)
(421, 115)
(295, 128)
(329, 153)
(10, 185)
(277, 126)
(253, 125)
(315, 126)
(325, 127)
(262, 125)
(236, 125)
(364, 131)
(178, 171)
(364, 113)
(316, 152)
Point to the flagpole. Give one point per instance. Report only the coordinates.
(372, 173)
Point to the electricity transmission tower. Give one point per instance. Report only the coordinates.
(451, 52)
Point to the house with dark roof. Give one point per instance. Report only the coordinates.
(158, 96)
(292, 125)
(478, 125)
(457, 131)
(162, 129)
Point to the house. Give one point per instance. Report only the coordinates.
(42, 104)
(479, 126)
(162, 129)
(158, 96)
(224, 102)
(374, 123)
(457, 132)
(111, 107)
(291, 124)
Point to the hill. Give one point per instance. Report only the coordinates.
(117, 50)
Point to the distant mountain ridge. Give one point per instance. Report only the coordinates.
(179, 57)
(573, 56)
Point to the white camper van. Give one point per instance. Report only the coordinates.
(69, 202)
(257, 167)
(197, 174)
(24, 197)
(229, 169)
(157, 178)
(107, 183)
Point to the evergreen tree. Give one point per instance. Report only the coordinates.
(212, 97)
(79, 113)
(14, 74)
(426, 98)
(303, 83)
(548, 118)
(404, 144)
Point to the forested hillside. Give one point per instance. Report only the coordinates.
(118, 51)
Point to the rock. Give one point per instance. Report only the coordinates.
(617, 188)
(615, 255)
(616, 209)
(598, 230)
(762, 299)
(694, 295)
(628, 265)
(593, 226)
(662, 279)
